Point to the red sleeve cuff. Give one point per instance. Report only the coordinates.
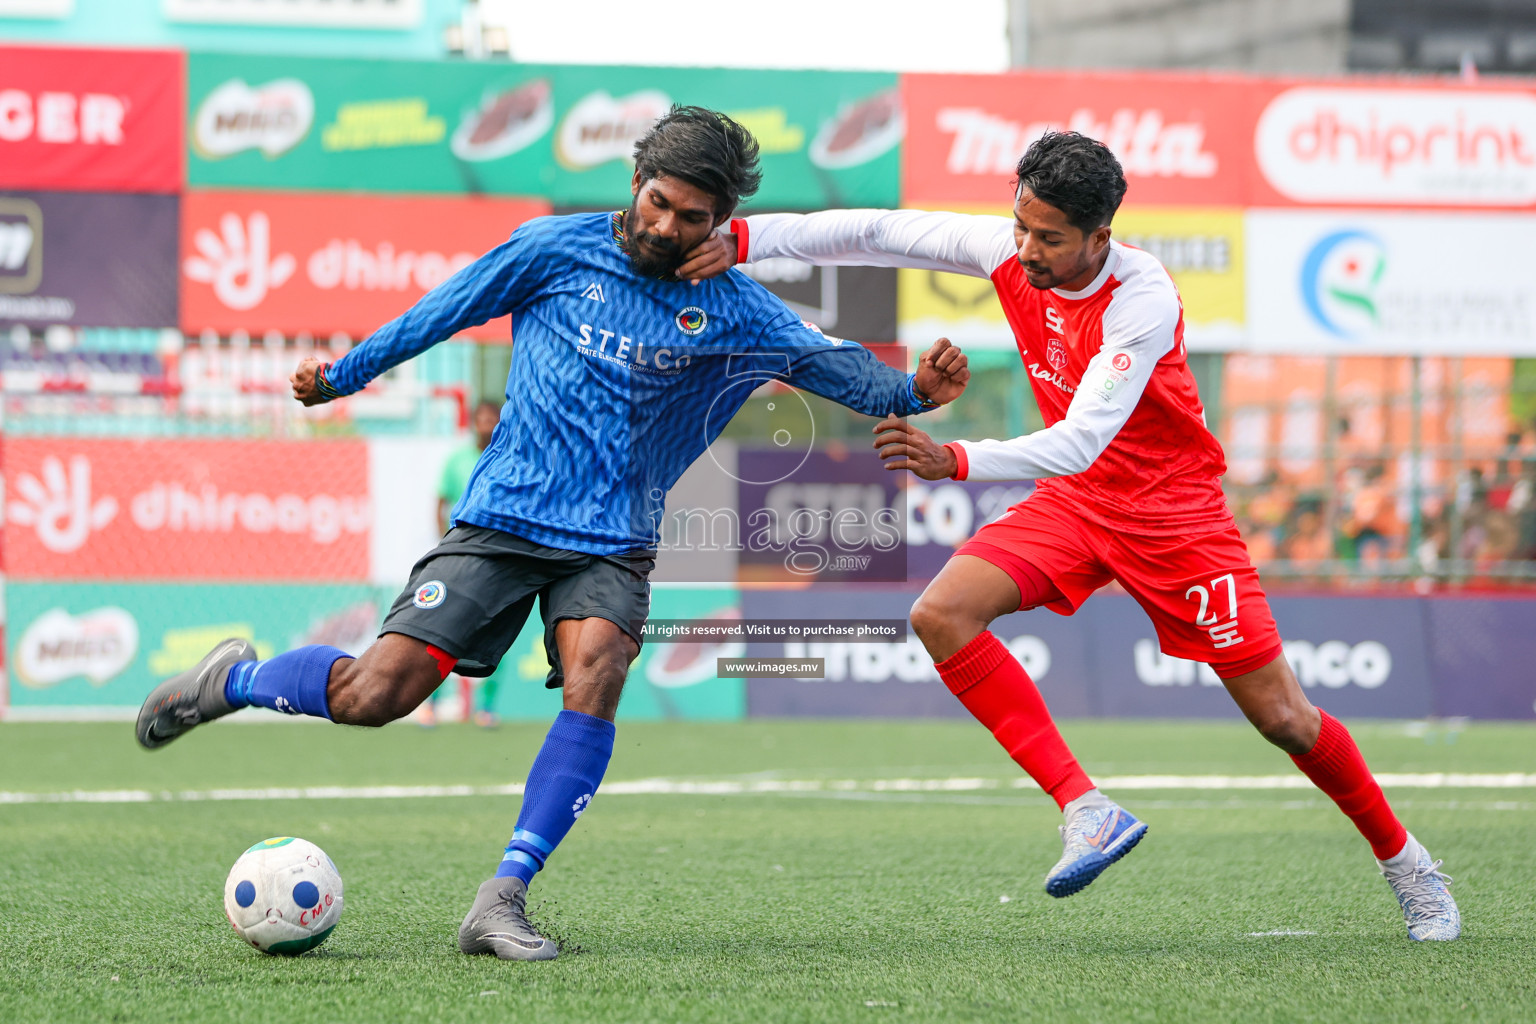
(739, 229)
(962, 464)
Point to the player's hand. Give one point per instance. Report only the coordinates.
(943, 372)
(305, 387)
(710, 258)
(903, 446)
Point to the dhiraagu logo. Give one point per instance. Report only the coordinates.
(1339, 281)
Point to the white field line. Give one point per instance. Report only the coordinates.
(749, 787)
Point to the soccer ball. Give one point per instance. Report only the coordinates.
(283, 896)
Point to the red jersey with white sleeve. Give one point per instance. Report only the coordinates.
(1125, 440)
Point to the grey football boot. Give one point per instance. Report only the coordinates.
(191, 698)
(497, 923)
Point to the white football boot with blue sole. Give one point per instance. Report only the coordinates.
(1428, 907)
(1092, 840)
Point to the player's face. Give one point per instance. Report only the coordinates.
(485, 425)
(667, 219)
(1053, 252)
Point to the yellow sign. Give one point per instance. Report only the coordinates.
(1202, 247)
(382, 124)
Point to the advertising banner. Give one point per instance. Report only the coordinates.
(1182, 139)
(827, 138)
(1355, 657)
(259, 261)
(92, 120)
(1352, 282)
(1202, 248)
(104, 645)
(369, 125)
(667, 682)
(898, 680)
(186, 510)
(1376, 144)
(1376, 657)
(88, 259)
(1483, 649)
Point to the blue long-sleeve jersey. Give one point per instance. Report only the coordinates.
(619, 381)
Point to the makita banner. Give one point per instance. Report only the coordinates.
(186, 510)
(88, 259)
(290, 262)
(1223, 140)
(1182, 139)
(103, 120)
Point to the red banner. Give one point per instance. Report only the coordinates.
(91, 120)
(186, 510)
(1182, 139)
(322, 263)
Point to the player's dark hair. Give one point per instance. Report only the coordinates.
(1077, 175)
(704, 148)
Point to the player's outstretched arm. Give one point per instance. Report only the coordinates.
(851, 375)
(493, 285)
(916, 239)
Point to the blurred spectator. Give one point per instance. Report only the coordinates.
(450, 489)
(1368, 518)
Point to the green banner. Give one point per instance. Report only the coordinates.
(107, 645)
(667, 682)
(369, 125)
(94, 646)
(827, 138)
(565, 133)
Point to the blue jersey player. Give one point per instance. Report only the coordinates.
(621, 376)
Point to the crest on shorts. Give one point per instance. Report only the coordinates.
(1056, 354)
(692, 321)
(430, 594)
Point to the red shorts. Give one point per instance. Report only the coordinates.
(1202, 593)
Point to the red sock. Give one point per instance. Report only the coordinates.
(994, 687)
(1335, 765)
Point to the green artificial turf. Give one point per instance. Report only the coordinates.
(830, 906)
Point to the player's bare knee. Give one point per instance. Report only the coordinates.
(365, 696)
(1287, 727)
(933, 620)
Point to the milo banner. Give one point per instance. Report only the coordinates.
(94, 649)
(104, 646)
(367, 125)
(827, 138)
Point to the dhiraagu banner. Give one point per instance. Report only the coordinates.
(667, 682)
(86, 648)
(365, 125)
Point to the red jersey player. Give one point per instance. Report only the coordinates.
(1129, 490)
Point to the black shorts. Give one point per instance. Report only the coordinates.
(471, 595)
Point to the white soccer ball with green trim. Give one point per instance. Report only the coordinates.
(283, 896)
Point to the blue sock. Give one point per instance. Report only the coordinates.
(561, 784)
(293, 683)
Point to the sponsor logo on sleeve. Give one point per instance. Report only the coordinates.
(430, 594)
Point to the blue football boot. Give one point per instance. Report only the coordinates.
(1092, 840)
